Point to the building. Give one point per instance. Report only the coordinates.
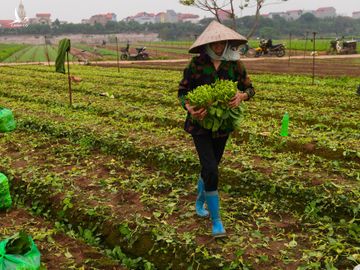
(224, 15)
(142, 17)
(102, 18)
(20, 13)
(42, 18)
(325, 12)
(187, 17)
(160, 17)
(6, 24)
(171, 16)
(20, 17)
(356, 15)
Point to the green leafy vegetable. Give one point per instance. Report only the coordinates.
(215, 98)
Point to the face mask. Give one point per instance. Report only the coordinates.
(230, 53)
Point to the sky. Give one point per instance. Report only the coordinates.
(69, 11)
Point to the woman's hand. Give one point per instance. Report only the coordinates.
(196, 113)
(236, 100)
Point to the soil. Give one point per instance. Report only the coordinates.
(345, 65)
(58, 251)
(324, 65)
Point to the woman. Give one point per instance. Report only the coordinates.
(218, 59)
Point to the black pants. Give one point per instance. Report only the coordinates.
(210, 151)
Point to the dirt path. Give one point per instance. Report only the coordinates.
(325, 65)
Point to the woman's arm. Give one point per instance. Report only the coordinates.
(244, 82)
(185, 85)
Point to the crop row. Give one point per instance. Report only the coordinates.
(116, 198)
(133, 149)
(7, 50)
(156, 147)
(325, 129)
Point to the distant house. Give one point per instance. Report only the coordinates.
(224, 15)
(356, 15)
(171, 16)
(187, 17)
(41, 18)
(325, 12)
(160, 17)
(142, 17)
(102, 18)
(6, 24)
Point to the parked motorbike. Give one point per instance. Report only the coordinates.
(341, 46)
(141, 54)
(267, 48)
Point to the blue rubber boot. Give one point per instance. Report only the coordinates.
(212, 200)
(200, 199)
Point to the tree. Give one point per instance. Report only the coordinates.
(228, 7)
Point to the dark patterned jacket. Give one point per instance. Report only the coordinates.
(201, 71)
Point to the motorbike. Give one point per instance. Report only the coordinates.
(267, 48)
(141, 54)
(341, 46)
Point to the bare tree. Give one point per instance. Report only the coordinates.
(228, 7)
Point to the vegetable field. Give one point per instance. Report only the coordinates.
(10, 53)
(119, 172)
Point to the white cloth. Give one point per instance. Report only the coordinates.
(230, 53)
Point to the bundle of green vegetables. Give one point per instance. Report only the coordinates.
(215, 99)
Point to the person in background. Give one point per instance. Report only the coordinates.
(218, 59)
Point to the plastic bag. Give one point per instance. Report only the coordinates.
(7, 121)
(5, 197)
(28, 261)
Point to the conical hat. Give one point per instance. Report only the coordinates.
(216, 32)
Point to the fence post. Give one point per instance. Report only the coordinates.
(314, 47)
(289, 48)
(117, 53)
(306, 39)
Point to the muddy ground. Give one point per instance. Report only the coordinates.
(323, 65)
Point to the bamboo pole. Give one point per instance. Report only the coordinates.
(313, 68)
(306, 39)
(69, 78)
(289, 48)
(117, 52)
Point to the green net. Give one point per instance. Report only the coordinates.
(29, 260)
(7, 121)
(5, 197)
